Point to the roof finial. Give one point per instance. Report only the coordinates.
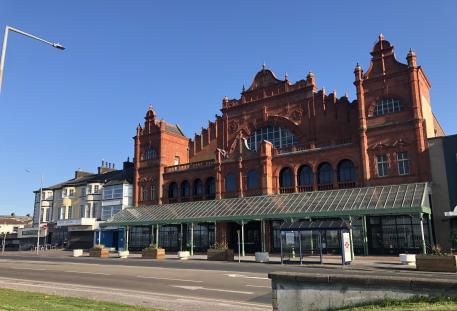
(286, 76)
(264, 66)
(243, 89)
(150, 107)
(381, 37)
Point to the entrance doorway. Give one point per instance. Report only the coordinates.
(252, 239)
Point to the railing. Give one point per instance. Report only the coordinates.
(306, 188)
(325, 187)
(286, 189)
(315, 145)
(189, 166)
(346, 185)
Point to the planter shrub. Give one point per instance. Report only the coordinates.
(220, 254)
(99, 251)
(153, 252)
(445, 263)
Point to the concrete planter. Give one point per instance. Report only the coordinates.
(436, 263)
(220, 255)
(99, 252)
(155, 253)
(408, 259)
(77, 252)
(262, 257)
(183, 255)
(123, 254)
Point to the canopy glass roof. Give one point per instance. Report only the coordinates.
(379, 200)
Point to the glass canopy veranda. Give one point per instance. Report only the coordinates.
(409, 199)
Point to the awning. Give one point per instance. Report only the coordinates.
(318, 224)
(379, 200)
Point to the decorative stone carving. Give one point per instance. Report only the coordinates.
(297, 114)
(233, 126)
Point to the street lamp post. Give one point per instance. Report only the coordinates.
(39, 212)
(5, 41)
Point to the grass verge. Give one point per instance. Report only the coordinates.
(413, 304)
(12, 300)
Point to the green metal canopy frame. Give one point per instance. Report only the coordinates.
(379, 200)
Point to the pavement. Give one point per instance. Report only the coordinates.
(171, 284)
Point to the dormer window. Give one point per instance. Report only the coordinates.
(386, 106)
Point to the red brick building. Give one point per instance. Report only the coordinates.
(284, 137)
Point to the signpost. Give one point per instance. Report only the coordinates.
(346, 251)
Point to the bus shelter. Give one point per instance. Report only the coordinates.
(303, 239)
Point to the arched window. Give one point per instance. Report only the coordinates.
(173, 191)
(210, 188)
(252, 180)
(305, 178)
(387, 105)
(198, 189)
(325, 176)
(185, 189)
(280, 137)
(286, 179)
(230, 182)
(153, 192)
(346, 172)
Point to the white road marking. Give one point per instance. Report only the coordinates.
(245, 276)
(169, 279)
(85, 272)
(259, 286)
(33, 269)
(7, 282)
(192, 288)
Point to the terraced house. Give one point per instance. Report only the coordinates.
(290, 153)
(73, 209)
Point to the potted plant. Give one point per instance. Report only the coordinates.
(220, 252)
(153, 252)
(437, 261)
(99, 251)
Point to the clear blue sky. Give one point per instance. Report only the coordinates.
(66, 110)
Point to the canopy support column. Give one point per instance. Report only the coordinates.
(365, 236)
(320, 247)
(157, 235)
(242, 239)
(215, 233)
(126, 233)
(262, 235)
(152, 234)
(95, 238)
(192, 239)
(180, 238)
(280, 243)
(350, 238)
(430, 230)
(424, 246)
(100, 237)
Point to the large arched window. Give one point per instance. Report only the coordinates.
(387, 105)
(198, 189)
(280, 137)
(230, 182)
(173, 191)
(305, 178)
(325, 176)
(346, 173)
(252, 180)
(210, 188)
(185, 189)
(286, 180)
